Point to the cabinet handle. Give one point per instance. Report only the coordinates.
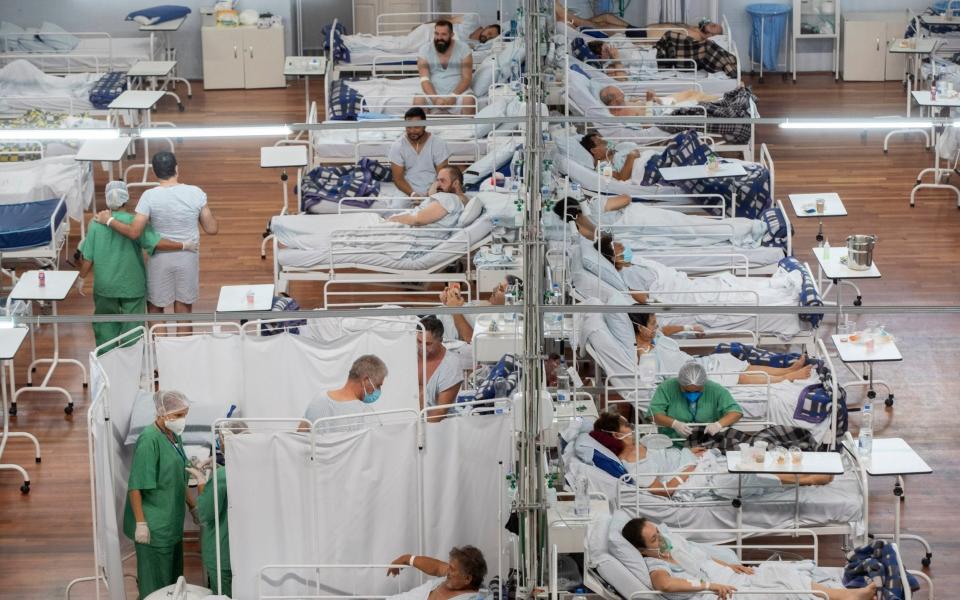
(235, 55)
(878, 44)
(251, 52)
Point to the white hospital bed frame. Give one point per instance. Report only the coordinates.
(101, 63)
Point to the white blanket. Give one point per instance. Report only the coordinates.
(55, 177)
(20, 78)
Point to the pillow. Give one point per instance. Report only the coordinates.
(592, 452)
(599, 265)
(483, 77)
(619, 324)
(497, 204)
(623, 551)
(569, 141)
(9, 33)
(494, 109)
(470, 212)
(57, 37)
(159, 14)
(29, 42)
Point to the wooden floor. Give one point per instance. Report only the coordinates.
(45, 537)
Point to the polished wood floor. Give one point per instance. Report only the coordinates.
(45, 537)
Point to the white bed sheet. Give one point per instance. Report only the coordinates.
(94, 54)
(392, 96)
(23, 87)
(347, 144)
(319, 258)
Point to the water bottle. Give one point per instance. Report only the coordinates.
(556, 298)
(581, 499)
(515, 73)
(515, 168)
(826, 249)
(865, 439)
(563, 382)
(575, 191)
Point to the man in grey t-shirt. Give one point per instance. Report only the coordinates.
(416, 158)
(177, 212)
(355, 397)
(446, 71)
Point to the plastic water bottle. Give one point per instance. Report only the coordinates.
(581, 498)
(826, 249)
(563, 382)
(576, 192)
(556, 298)
(865, 438)
(515, 73)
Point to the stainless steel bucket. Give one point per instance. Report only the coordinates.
(860, 251)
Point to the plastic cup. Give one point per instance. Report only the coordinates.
(870, 342)
(744, 453)
(821, 205)
(780, 456)
(760, 450)
(796, 455)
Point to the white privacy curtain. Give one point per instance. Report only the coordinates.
(283, 373)
(115, 378)
(356, 502)
(207, 368)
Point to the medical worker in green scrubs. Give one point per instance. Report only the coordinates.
(157, 495)
(120, 277)
(209, 517)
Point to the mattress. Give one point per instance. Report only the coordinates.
(27, 225)
(308, 259)
(94, 54)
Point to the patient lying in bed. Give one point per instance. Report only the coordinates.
(618, 105)
(679, 568)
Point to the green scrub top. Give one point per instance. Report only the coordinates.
(208, 551)
(158, 471)
(715, 402)
(117, 260)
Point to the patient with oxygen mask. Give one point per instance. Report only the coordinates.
(680, 567)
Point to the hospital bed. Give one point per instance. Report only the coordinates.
(95, 52)
(837, 508)
(23, 87)
(615, 573)
(329, 253)
(34, 231)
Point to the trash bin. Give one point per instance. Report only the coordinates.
(769, 26)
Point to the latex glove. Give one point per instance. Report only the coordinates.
(191, 246)
(714, 428)
(79, 286)
(195, 515)
(682, 428)
(198, 475)
(142, 534)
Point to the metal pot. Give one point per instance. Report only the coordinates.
(860, 251)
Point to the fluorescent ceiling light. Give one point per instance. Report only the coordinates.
(59, 134)
(872, 124)
(211, 132)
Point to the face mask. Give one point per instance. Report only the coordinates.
(627, 255)
(370, 397)
(692, 397)
(176, 425)
(665, 544)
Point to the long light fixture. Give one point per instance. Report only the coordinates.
(871, 124)
(215, 132)
(59, 134)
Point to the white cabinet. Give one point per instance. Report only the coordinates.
(365, 13)
(242, 57)
(817, 20)
(866, 37)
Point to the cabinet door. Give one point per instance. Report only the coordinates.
(263, 57)
(864, 50)
(896, 63)
(222, 58)
(365, 16)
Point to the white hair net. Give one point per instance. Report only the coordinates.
(692, 373)
(169, 401)
(117, 194)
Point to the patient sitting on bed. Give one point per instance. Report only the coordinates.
(462, 575)
(443, 206)
(678, 566)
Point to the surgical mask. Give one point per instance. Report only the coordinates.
(692, 396)
(627, 254)
(176, 425)
(370, 397)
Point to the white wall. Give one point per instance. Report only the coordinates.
(108, 16)
(812, 55)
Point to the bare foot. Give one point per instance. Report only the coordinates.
(867, 593)
(801, 373)
(799, 362)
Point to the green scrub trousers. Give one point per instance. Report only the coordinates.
(105, 305)
(157, 567)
